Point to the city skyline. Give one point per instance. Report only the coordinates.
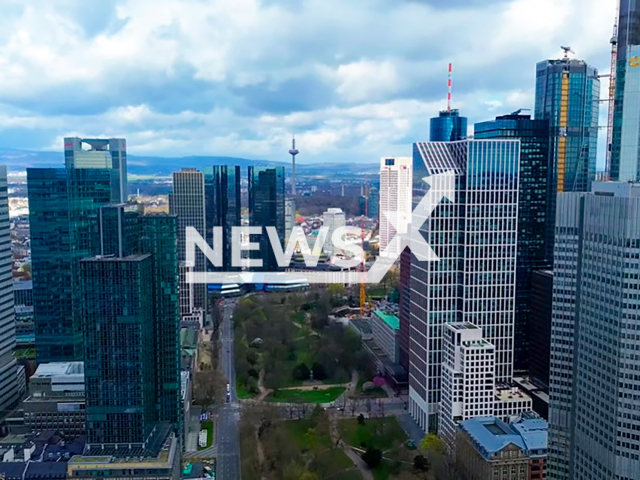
(253, 111)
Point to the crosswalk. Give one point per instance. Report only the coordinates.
(210, 452)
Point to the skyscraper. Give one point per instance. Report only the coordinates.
(625, 142)
(131, 324)
(593, 410)
(395, 201)
(474, 279)
(105, 153)
(63, 218)
(333, 219)
(266, 209)
(568, 96)
(222, 206)
(8, 367)
(535, 218)
(449, 126)
(187, 202)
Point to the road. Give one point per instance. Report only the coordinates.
(227, 437)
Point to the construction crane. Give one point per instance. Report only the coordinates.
(567, 51)
(612, 95)
(520, 110)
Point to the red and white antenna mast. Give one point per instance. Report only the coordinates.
(449, 87)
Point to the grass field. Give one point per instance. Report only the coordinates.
(306, 396)
(242, 393)
(208, 426)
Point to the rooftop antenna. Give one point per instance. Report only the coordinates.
(449, 83)
(567, 51)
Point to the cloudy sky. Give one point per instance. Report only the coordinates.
(354, 79)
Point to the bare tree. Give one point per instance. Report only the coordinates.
(368, 406)
(381, 407)
(353, 405)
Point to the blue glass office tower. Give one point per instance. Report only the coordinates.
(63, 217)
(535, 217)
(568, 96)
(222, 206)
(266, 209)
(449, 126)
(474, 280)
(625, 142)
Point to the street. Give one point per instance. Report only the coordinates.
(227, 438)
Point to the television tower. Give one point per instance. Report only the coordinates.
(293, 152)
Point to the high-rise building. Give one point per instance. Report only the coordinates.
(63, 218)
(540, 327)
(535, 218)
(474, 279)
(8, 366)
(395, 202)
(374, 203)
(187, 202)
(593, 409)
(404, 306)
(222, 206)
(568, 96)
(625, 141)
(333, 218)
(266, 209)
(131, 319)
(289, 217)
(103, 153)
(449, 126)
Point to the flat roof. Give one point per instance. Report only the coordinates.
(55, 369)
(391, 320)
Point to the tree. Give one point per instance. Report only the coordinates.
(301, 372)
(434, 444)
(319, 372)
(372, 457)
(209, 388)
(421, 463)
(361, 419)
(353, 405)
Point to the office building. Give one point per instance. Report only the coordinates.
(487, 447)
(474, 279)
(385, 329)
(373, 206)
(8, 366)
(535, 219)
(540, 327)
(289, 217)
(468, 380)
(187, 202)
(63, 218)
(395, 202)
(404, 314)
(568, 96)
(266, 209)
(56, 399)
(625, 139)
(334, 219)
(449, 126)
(102, 153)
(222, 207)
(593, 421)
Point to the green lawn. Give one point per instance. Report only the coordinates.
(384, 433)
(208, 426)
(298, 317)
(306, 396)
(242, 392)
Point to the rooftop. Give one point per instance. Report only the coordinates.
(391, 320)
(510, 394)
(56, 369)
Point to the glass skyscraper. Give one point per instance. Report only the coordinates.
(625, 141)
(223, 206)
(535, 217)
(568, 96)
(594, 382)
(449, 126)
(63, 218)
(109, 153)
(474, 280)
(266, 209)
(8, 367)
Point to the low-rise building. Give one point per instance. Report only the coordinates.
(488, 448)
(56, 399)
(385, 329)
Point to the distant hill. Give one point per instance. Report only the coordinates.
(19, 160)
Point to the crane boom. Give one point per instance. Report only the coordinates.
(612, 96)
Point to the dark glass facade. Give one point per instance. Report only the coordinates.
(535, 215)
(568, 96)
(63, 216)
(540, 327)
(449, 126)
(119, 356)
(266, 209)
(223, 207)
